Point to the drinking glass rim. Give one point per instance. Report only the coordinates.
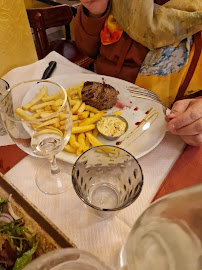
(105, 209)
(6, 83)
(62, 253)
(36, 120)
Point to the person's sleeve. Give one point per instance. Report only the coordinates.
(87, 31)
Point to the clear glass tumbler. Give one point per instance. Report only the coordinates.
(168, 235)
(107, 178)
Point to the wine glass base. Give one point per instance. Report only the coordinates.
(53, 184)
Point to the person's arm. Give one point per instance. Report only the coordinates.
(87, 26)
(186, 120)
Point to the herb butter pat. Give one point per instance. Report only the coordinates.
(111, 126)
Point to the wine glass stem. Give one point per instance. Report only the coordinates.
(54, 167)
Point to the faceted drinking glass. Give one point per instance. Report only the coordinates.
(107, 179)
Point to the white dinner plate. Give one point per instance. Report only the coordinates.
(139, 139)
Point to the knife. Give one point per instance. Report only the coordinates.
(49, 70)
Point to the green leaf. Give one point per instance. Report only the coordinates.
(2, 201)
(26, 257)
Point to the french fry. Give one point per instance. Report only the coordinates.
(56, 125)
(87, 144)
(91, 109)
(75, 124)
(75, 97)
(56, 129)
(45, 114)
(39, 110)
(83, 115)
(81, 141)
(95, 132)
(55, 108)
(43, 131)
(81, 108)
(62, 116)
(63, 122)
(58, 102)
(73, 92)
(20, 112)
(49, 122)
(76, 106)
(75, 117)
(117, 113)
(92, 114)
(93, 119)
(36, 99)
(73, 142)
(79, 88)
(68, 148)
(34, 126)
(53, 97)
(47, 108)
(93, 140)
(41, 105)
(78, 151)
(36, 115)
(72, 102)
(63, 127)
(82, 129)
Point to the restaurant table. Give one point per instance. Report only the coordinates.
(100, 237)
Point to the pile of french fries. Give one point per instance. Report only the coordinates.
(84, 131)
(85, 117)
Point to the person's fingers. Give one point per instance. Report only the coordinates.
(195, 140)
(190, 115)
(192, 129)
(179, 107)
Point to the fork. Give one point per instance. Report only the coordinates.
(146, 94)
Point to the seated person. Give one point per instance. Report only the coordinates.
(156, 45)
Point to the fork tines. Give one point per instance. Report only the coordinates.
(140, 92)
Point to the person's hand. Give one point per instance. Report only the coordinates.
(185, 120)
(96, 7)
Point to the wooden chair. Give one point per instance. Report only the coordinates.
(44, 18)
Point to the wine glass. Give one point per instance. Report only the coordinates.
(38, 118)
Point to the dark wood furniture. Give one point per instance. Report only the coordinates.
(74, 4)
(44, 18)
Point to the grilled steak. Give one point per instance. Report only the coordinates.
(99, 95)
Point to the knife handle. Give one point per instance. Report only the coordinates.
(49, 70)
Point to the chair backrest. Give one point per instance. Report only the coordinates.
(44, 18)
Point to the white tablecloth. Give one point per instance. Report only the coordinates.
(102, 238)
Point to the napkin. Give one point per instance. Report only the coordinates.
(9, 156)
(36, 70)
(186, 172)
